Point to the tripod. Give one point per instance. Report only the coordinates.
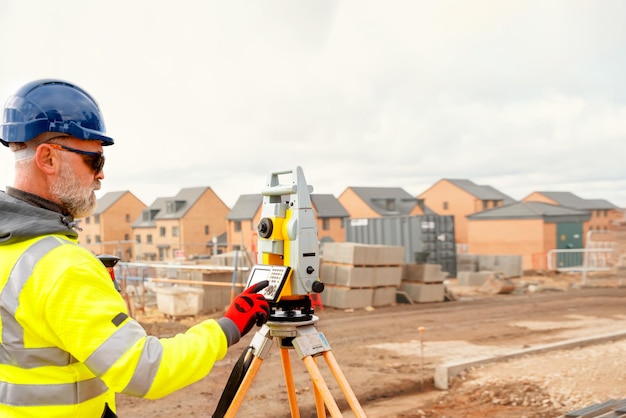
(308, 343)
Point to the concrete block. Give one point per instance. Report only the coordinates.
(413, 272)
(363, 254)
(424, 292)
(433, 273)
(348, 253)
(509, 265)
(387, 276)
(470, 278)
(328, 273)
(384, 296)
(466, 262)
(347, 298)
(327, 296)
(354, 276)
(427, 273)
(390, 255)
(179, 300)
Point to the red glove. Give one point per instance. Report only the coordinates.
(249, 308)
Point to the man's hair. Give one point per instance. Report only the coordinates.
(26, 150)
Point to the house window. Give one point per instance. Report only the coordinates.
(88, 239)
(98, 239)
(126, 237)
(174, 231)
(162, 231)
(206, 229)
(390, 204)
(237, 226)
(96, 219)
(128, 218)
(445, 205)
(149, 238)
(485, 204)
(138, 239)
(325, 224)
(88, 220)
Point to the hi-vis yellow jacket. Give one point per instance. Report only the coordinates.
(67, 344)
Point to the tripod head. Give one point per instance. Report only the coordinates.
(288, 248)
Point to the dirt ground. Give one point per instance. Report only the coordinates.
(390, 365)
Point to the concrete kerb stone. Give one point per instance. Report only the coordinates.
(445, 371)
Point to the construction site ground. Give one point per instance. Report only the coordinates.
(390, 364)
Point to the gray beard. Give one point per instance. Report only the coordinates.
(79, 201)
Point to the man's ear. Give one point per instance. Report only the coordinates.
(46, 159)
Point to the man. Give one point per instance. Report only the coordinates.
(67, 343)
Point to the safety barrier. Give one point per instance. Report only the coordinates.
(583, 260)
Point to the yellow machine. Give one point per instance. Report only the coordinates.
(288, 248)
(288, 232)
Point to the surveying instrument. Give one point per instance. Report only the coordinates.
(288, 258)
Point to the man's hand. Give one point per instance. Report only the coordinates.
(249, 308)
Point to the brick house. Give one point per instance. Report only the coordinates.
(529, 229)
(242, 220)
(246, 214)
(460, 198)
(603, 213)
(331, 218)
(186, 226)
(108, 229)
(378, 202)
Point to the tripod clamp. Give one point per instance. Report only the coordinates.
(301, 336)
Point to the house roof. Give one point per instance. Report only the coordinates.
(176, 207)
(326, 205)
(386, 201)
(481, 192)
(106, 201)
(570, 200)
(147, 217)
(532, 210)
(245, 207)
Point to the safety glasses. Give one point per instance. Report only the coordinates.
(94, 159)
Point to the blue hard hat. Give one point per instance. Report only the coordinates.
(52, 106)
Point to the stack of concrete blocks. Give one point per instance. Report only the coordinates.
(423, 283)
(474, 269)
(230, 259)
(360, 275)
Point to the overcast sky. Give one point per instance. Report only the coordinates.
(522, 96)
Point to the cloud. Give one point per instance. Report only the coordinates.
(519, 95)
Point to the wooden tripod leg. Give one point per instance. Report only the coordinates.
(343, 384)
(291, 390)
(319, 400)
(243, 387)
(318, 381)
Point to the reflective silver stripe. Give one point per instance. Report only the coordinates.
(57, 394)
(29, 358)
(115, 347)
(146, 368)
(12, 351)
